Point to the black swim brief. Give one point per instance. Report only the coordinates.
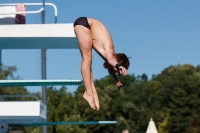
(82, 21)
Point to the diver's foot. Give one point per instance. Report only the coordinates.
(90, 99)
(96, 98)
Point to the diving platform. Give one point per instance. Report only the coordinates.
(22, 110)
(41, 82)
(38, 36)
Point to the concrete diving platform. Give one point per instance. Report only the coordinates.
(38, 36)
(22, 110)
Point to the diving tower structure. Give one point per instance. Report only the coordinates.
(35, 36)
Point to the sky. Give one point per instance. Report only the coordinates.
(154, 33)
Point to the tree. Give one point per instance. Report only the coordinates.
(182, 93)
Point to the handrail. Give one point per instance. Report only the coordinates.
(31, 12)
(19, 96)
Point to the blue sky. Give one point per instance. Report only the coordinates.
(155, 34)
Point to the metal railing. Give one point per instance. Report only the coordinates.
(22, 96)
(31, 12)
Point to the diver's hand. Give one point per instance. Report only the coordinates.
(119, 85)
(122, 71)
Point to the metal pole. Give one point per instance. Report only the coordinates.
(0, 55)
(44, 98)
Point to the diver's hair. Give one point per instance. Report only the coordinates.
(122, 59)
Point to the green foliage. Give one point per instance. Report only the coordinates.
(5, 74)
(171, 98)
(182, 97)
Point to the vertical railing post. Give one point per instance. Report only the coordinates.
(44, 89)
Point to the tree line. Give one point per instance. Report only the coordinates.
(171, 98)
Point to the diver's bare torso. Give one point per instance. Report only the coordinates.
(101, 38)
